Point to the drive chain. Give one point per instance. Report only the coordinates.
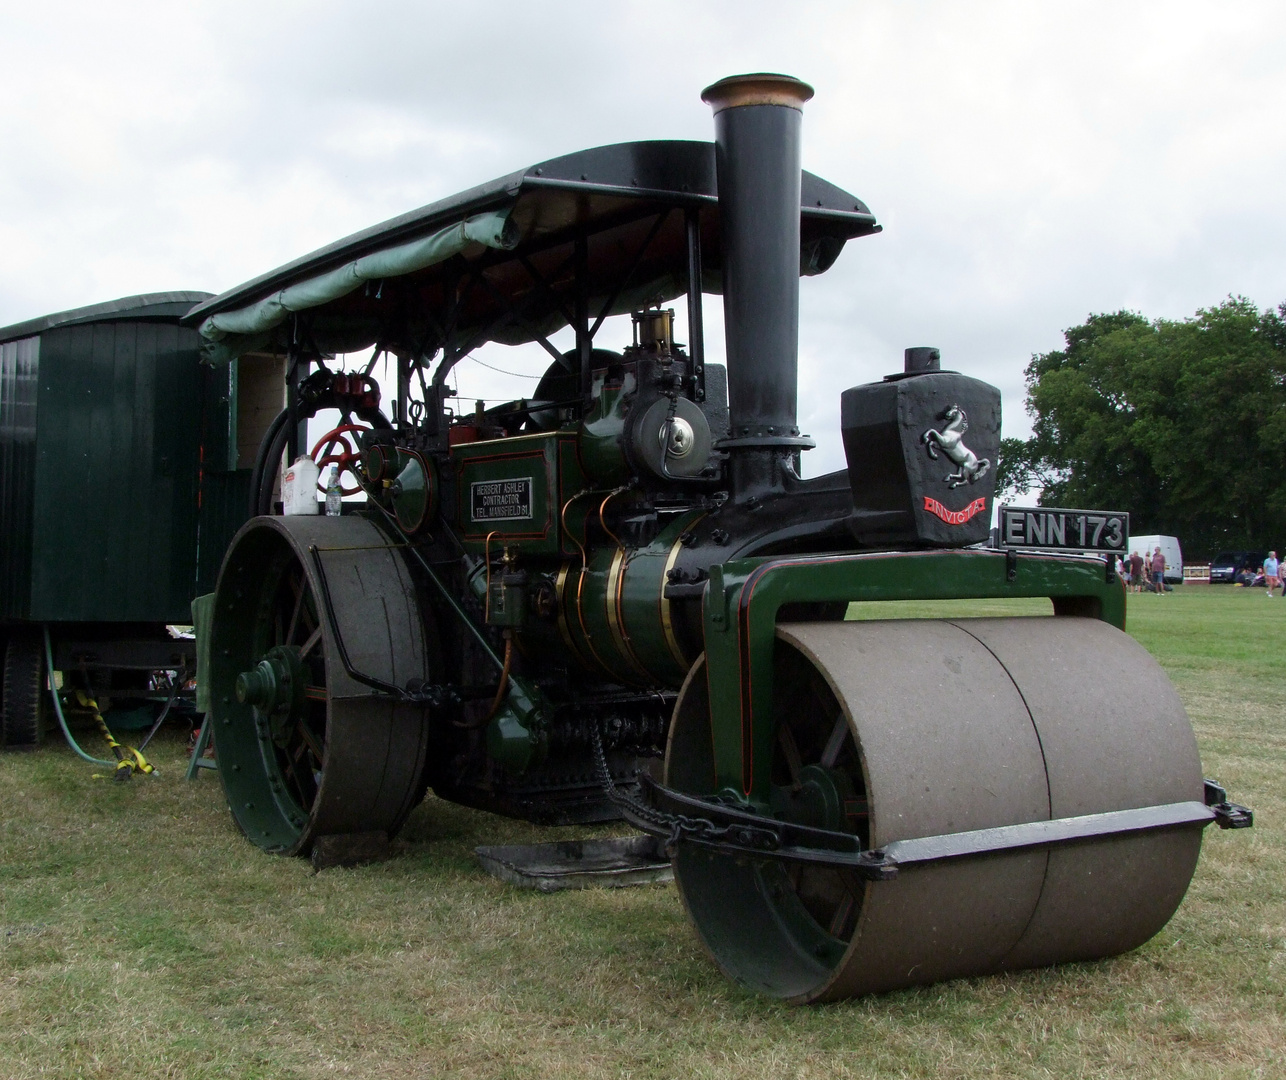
(677, 827)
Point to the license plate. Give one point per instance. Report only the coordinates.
(1045, 528)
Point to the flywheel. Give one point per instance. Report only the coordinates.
(305, 748)
(910, 728)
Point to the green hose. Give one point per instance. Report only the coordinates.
(58, 709)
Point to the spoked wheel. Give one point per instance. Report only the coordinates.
(904, 729)
(304, 749)
(777, 927)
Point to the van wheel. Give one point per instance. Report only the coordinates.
(22, 708)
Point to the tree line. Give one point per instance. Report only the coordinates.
(1180, 423)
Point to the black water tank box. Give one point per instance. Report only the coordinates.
(922, 451)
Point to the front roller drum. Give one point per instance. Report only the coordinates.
(905, 729)
(304, 749)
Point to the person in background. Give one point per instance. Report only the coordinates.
(1136, 571)
(1270, 572)
(1158, 571)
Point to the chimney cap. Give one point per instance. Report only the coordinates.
(758, 88)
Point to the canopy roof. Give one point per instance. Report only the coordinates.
(498, 262)
(157, 306)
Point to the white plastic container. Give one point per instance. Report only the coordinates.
(299, 487)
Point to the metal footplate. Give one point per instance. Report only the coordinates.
(578, 864)
(684, 818)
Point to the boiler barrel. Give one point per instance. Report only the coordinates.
(957, 726)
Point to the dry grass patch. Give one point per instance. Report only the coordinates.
(143, 937)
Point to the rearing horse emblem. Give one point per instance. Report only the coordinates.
(950, 440)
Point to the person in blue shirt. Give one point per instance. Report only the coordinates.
(1270, 573)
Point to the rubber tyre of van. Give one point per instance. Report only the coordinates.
(22, 708)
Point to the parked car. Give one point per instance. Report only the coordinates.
(1225, 566)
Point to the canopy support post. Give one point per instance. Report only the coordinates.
(584, 340)
(296, 373)
(696, 324)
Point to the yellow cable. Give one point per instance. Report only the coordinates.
(128, 760)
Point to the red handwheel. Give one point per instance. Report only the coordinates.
(334, 448)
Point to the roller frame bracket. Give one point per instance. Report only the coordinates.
(1228, 815)
(1036, 834)
(743, 596)
(1233, 816)
(687, 819)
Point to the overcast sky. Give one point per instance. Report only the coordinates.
(1031, 163)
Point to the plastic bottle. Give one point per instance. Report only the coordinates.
(334, 496)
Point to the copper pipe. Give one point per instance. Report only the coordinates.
(483, 721)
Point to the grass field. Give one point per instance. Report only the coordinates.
(143, 937)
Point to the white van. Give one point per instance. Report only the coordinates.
(1169, 546)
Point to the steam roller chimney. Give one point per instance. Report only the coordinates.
(757, 159)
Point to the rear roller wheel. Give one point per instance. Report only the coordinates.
(902, 729)
(304, 750)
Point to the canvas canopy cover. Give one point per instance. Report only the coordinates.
(602, 230)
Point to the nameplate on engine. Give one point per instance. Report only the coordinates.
(500, 500)
(1046, 528)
